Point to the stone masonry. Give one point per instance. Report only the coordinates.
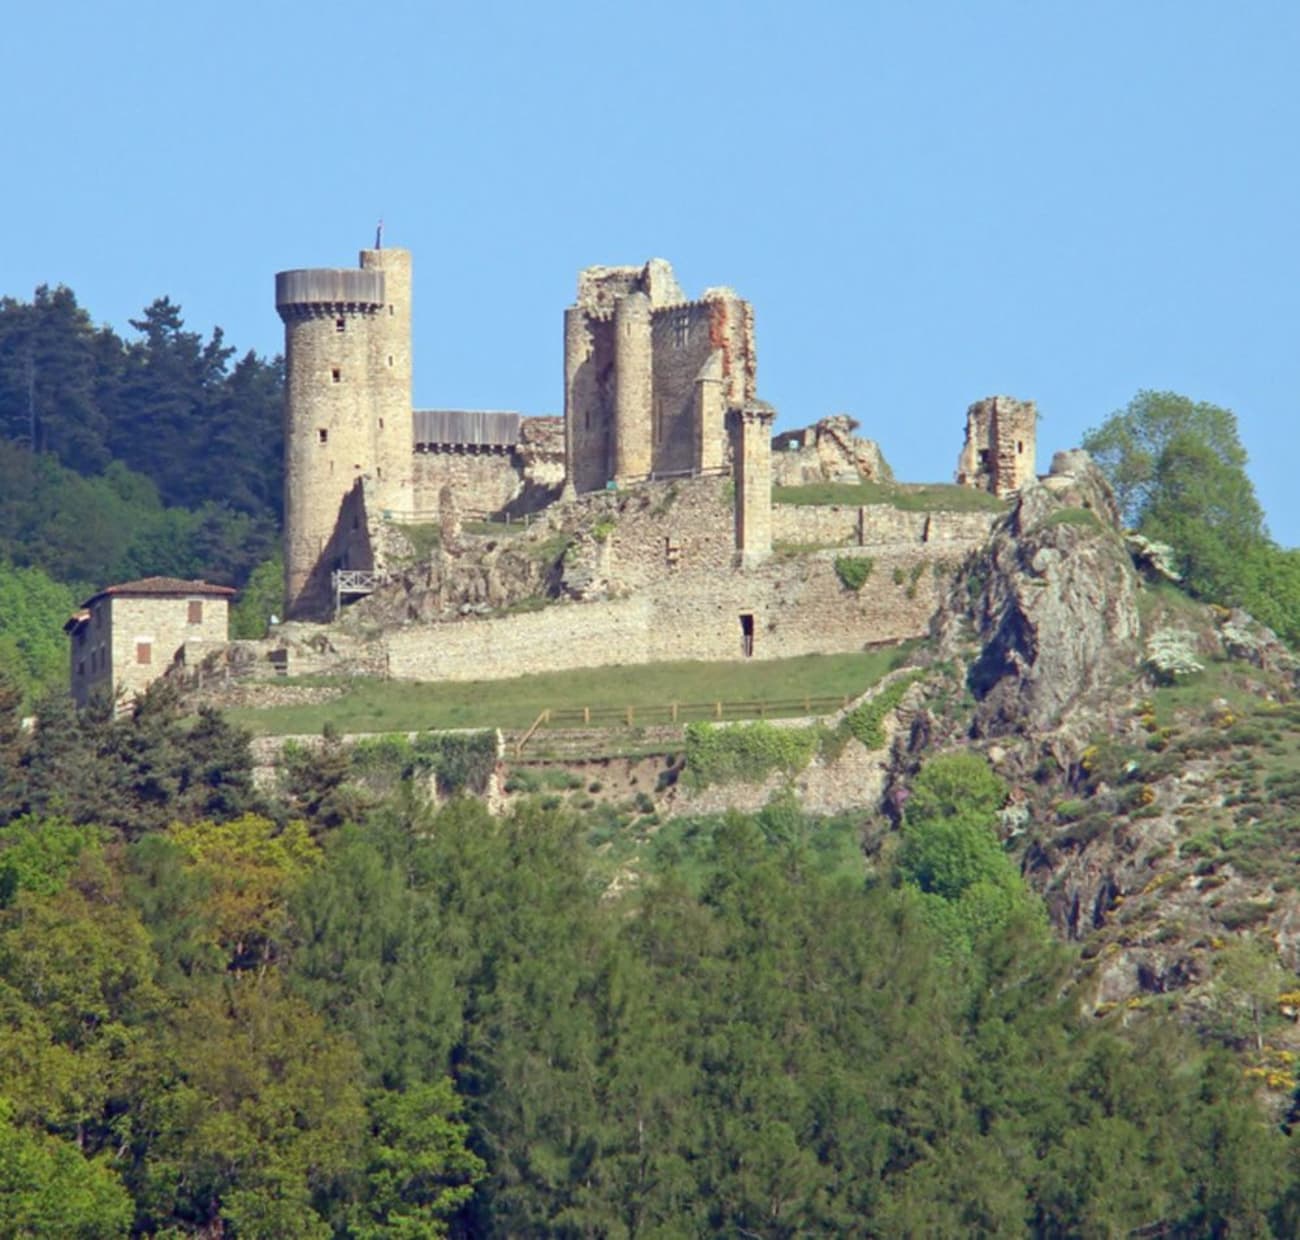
(664, 446)
(123, 638)
(998, 454)
(649, 377)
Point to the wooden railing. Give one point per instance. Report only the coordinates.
(677, 713)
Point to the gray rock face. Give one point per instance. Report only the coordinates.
(1054, 600)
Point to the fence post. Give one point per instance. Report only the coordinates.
(586, 714)
(629, 716)
(674, 712)
(717, 710)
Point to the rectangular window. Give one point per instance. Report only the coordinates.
(195, 611)
(144, 652)
(340, 325)
(322, 435)
(682, 329)
(337, 375)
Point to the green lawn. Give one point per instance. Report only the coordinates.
(406, 706)
(929, 497)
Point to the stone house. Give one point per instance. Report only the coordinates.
(126, 636)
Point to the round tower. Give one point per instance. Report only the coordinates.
(329, 442)
(390, 379)
(633, 387)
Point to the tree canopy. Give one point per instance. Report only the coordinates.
(1179, 472)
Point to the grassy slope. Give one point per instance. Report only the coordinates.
(400, 706)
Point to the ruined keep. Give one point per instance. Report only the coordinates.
(651, 378)
(998, 454)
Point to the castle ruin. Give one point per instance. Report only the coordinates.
(998, 455)
(656, 386)
(658, 481)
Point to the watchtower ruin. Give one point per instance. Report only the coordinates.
(649, 377)
(998, 454)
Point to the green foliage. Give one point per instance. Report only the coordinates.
(38, 856)
(968, 888)
(866, 720)
(853, 570)
(33, 608)
(456, 761)
(1179, 472)
(135, 773)
(47, 1188)
(121, 459)
(745, 752)
(261, 598)
(419, 1172)
(603, 529)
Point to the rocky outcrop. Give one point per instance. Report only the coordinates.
(1053, 600)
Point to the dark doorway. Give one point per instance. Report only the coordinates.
(747, 635)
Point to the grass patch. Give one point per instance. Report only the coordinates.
(424, 540)
(931, 497)
(370, 705)
(1073, 516)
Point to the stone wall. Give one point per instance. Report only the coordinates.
(484, 481)
(681, 345)
(146, 633)
(512, 479)
(665, 530)
(874, 525)
(787, 608)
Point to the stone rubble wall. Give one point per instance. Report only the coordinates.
(797, 607)
(876, 525)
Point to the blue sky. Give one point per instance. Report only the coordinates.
(927, 203)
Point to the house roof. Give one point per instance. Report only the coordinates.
(161, 587)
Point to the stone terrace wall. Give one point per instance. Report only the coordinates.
(796, 607)
(670, 529)
(875, 525)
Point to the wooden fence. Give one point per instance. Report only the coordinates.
(668, 713)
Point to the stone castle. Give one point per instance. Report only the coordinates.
(663, 520)
(658, 388)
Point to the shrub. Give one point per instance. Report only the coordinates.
(866, 721)
(719, 755)
(853, 570)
